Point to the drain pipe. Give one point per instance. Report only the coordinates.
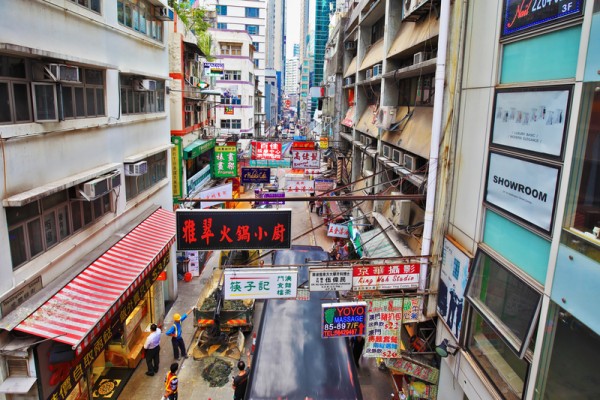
(436, 134)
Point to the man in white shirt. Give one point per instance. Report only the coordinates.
(152, 347)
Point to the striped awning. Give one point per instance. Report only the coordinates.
(80, 310)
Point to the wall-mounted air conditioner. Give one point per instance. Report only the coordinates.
(137, 169)
(386, 116)
(350, 45)
(144, 85)
(401, 211)
(410, 6)
(349, 81)
(420, 57)
(377, 70)
(100, 186)
(369, 73)
(189, 108)
(55, 73)
(397, 156)
(410, 162)
(163, 13)
(387, 151)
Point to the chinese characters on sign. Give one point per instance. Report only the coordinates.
(303, 145)
(408, 367)
(214, 194)
(384, 323)
(276, 196)
(343, 319)
(385, 276)
(257, 283)
(299, 186)
(225, 162)
(233, 229)
(306, 159)
(256, 175)
(330, 279)
(266, 151)
(337, 230)
(324, 185)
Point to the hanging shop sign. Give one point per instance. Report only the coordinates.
(266, 151)
(270, 163)
(324, 185)
(385, 276)
(385, 318)
(84, 363)
(343, 319)
(229, 110)
(306, 159)
(300, 137)
(233, 229)
(454, 275)
(225, 162)
(198, 180)
(523, 188)
(210, 197)
(409, 367)
(330, 279)
(213, 69)
(323, 142)
(276, 196)
(256, 175)
(302, 294)
(299, 185)
(260, 283)
(303, 145)
(519, 15)
(337, 230)
(176, 167)
(531, 120)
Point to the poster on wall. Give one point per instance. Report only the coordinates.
(531, 120)
(520, 15)
(454, 275)
(523, 188)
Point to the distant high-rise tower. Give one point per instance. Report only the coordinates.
(291, 75)
(296, 50)
(322, 10)
(305, 62)
(275, 55)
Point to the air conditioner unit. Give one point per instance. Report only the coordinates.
(350, 45)
(55, 73)
(348, 81)
(401, 211)
(369, 73)
(137, 169)
(420, 57)
(97, 187)
(387, 151)
(398, 156)
(144, 85)
(163, 13)
(385, 117)
(189, 108)
(377, 70)
(410, 162)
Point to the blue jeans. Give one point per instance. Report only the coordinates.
(178, 345)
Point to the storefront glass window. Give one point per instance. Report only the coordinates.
(507, 302)
(572, 360)
(507, 372)
(584, 219)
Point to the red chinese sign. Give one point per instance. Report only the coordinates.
(303, 146)
(266, 151)
(233, 229)
(385, 276)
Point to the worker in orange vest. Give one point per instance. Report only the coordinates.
(171, 383)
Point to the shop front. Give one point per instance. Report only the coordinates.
(96, 325)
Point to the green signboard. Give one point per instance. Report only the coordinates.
(177, 167)
(224, 164)
(198, 147)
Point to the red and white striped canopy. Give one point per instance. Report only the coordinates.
(80, 310)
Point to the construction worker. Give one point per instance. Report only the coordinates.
(171, 383)
(175, 333)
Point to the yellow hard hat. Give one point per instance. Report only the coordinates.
(177, 317)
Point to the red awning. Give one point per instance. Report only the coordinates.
(81, 309)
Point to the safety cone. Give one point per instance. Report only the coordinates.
(253, 343)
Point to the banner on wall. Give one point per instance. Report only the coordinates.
(531, 120)
(454, 275)
(523, 188)
(519, 15)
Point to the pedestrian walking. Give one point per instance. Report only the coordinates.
(171, 383)
(311, 202)
(152, 347)
(240, 382)
(319, 205)
(175, 333)
(358, 344)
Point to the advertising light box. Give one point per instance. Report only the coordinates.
(343, 319)
(330, 279)
(260, 283)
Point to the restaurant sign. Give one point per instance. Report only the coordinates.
(385, 276)
(330, 279)
(343, 319)
(256, 175)
(260, 283)
(520, 15)
(206, 230)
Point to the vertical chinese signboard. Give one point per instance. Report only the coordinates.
(225, 162)
(176, 167)
(343, 319)
(233, 229)
(260, 283)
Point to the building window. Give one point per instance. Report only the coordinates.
(377, 30)
(93, 5)
(38, 226)
(135, 99)
(157, 171)
(252, 29)
(139, 16)
(231, 99)
(232, 49)
(256, 46)
(85, 99)
(231, 124)
(221, 25)
(221, 10)
(232, 75)
(252, 12)
(256, 63)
